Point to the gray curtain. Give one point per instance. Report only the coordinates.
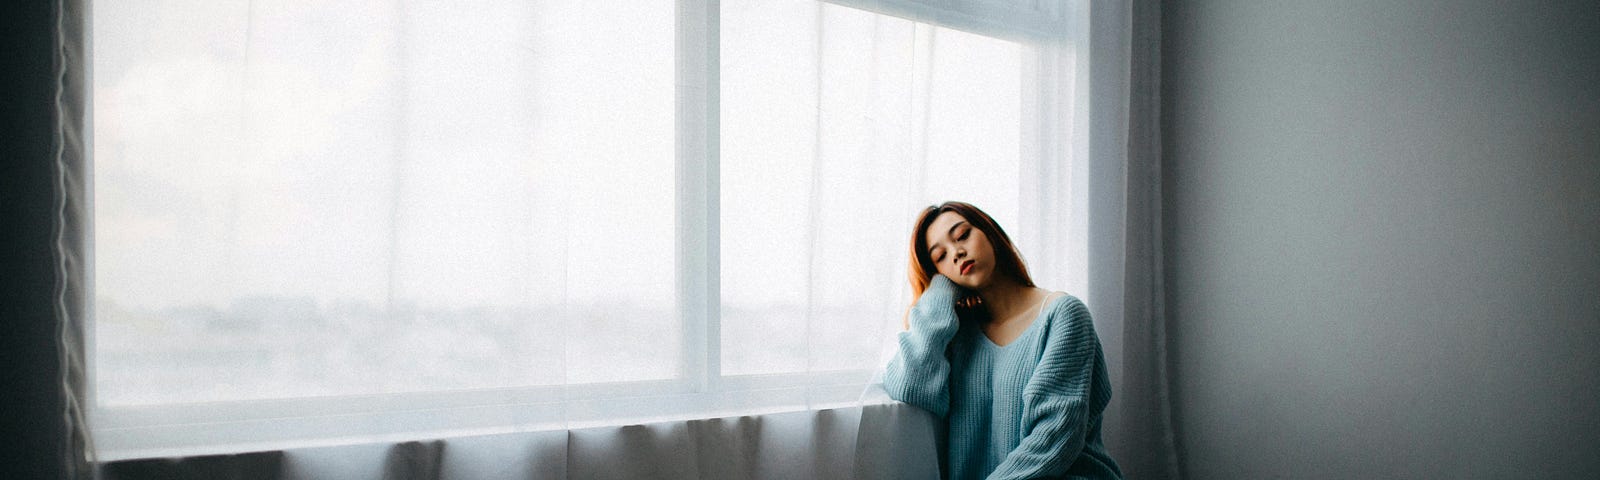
(1125, 223)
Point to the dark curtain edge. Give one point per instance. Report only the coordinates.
(70, 155)
(1150, 412)
(1145, 156)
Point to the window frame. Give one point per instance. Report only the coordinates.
(252, 425)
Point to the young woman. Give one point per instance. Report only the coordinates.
(1014, 370)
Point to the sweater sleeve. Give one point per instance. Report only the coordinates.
(919, 373)
(1056, 399)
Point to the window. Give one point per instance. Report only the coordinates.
(340, 221)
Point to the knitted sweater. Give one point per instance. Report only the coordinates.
(1029, 409)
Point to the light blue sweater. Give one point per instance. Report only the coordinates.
(1029, 409)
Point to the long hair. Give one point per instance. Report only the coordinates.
(1008, 261)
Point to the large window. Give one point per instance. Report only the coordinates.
(334, 221)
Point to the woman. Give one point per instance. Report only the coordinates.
(1015, 371)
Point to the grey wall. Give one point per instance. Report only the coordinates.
(1383, 237)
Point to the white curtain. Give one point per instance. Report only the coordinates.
(473, 214)
(838, 125)
(369, 221)
(335, 198)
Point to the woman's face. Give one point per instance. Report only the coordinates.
(960, 251)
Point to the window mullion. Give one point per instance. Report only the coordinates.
(698, 196)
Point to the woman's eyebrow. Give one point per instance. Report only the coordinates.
(953, 228)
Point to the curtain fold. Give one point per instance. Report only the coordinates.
(882, 441)
(1126, 244)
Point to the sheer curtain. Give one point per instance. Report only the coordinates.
(373, 202)
(334, 222)
(321, 223)
(839, 124)
(335, 198)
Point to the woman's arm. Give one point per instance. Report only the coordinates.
(1056, 402)
(919, 372)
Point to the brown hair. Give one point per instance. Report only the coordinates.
(1008, 261)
